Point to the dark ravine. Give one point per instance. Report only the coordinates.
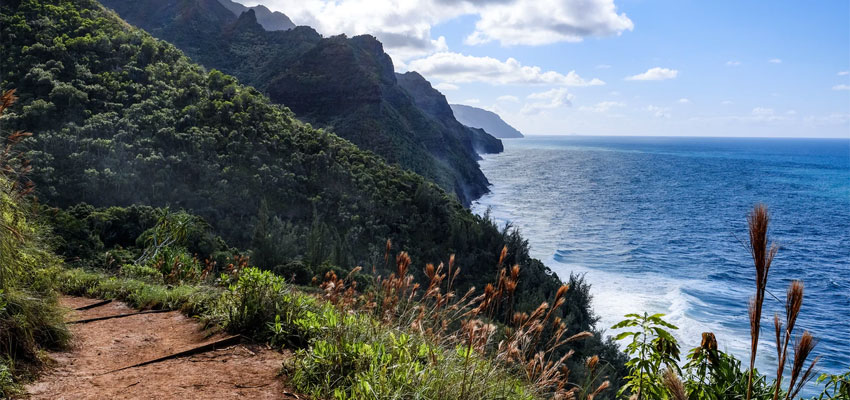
(346, 85)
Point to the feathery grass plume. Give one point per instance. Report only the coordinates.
(802, 349)
(674, 385)
(762, 254)
(599, 389)
(793, 303)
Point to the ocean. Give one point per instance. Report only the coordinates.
(658, 224)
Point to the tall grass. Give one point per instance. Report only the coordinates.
(532, 346)
(30, 318)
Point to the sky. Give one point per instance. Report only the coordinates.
(625, 67)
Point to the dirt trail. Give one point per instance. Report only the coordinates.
(87, 370)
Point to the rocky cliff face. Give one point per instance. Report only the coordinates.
(434, 103)
(346, 85)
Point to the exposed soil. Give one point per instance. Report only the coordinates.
(87, 370)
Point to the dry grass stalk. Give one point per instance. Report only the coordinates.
(802, 349)
(793, 303)
(762, 254)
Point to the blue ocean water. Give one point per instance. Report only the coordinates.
(659, 224)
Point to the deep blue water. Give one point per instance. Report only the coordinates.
(659, 224)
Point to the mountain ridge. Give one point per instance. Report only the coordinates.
(270, 20)
(484, 119)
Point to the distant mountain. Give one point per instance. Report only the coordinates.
(270, 20)
(487, 120)
(346, 85)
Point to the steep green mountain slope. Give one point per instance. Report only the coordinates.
(487, 120)
(270, 20)
(346, 85)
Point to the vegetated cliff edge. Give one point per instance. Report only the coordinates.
(347, 85)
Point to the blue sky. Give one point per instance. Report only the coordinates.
(707, 68)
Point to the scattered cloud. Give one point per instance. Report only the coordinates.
(459, 68)
(726, 102)
(841, 87)
(404, 27)
(472, 101)
(659, 112)
(732, 63)
(539, 22)
(843, 73)
(775, 61)
(508, 99)
(547, 100)
(443, 86)
(603, 66)
(684, 101)
(655, 74)
(602, 107)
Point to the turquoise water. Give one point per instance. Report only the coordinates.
(658, 224)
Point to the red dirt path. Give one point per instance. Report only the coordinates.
(83, 372)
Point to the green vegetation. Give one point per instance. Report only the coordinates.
(30, 318)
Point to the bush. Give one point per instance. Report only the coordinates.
(253, 301)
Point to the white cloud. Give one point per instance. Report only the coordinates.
(831, 119)
(602, 107)
(842, 73)
(841, 87)
(654, 74)
(603, 66)
(538, 22)
(726, 102)
(404, 26)
(508, 99)
(684, 101)
(732, 63)
(659, 112)
(472, 101)
(775, 61)
(547, 100)
(443, 86)
(459, 68)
